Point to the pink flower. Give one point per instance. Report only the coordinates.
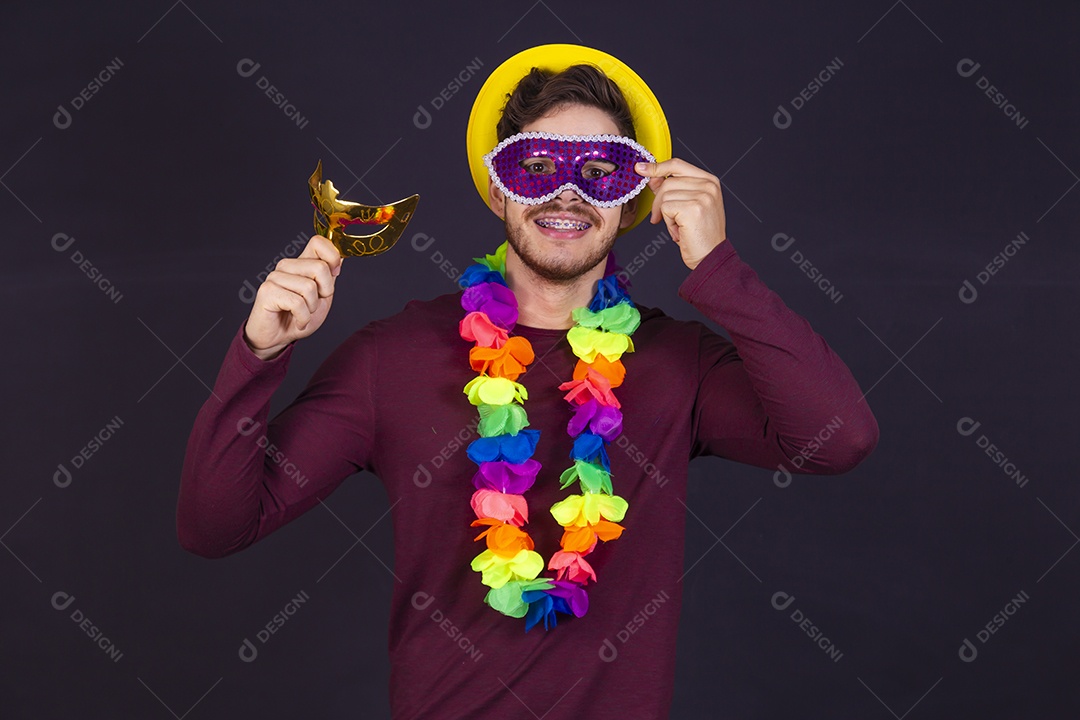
(594, 385)
(571, 566)
(512, 509)
(477, 326)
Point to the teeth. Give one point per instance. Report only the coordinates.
(562, 224)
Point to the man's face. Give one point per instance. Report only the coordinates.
(554, 254)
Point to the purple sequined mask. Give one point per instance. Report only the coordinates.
(534, 167)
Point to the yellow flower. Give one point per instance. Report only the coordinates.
(586, 509)
(587, 342)
(497, 570)
(495, 391)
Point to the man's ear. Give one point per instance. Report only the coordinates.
(498, 200)
(629, 212)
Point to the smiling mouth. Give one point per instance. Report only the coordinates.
(562, 224)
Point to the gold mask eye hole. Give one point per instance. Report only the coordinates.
(332, 215)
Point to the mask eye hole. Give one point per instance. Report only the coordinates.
(538, 165)
(596, 169)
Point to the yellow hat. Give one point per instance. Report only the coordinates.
(650, 125)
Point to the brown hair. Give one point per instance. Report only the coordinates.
(542, 92)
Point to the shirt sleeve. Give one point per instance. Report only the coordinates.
(775, 395)
(244, 476)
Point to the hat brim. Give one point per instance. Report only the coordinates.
(650, 124)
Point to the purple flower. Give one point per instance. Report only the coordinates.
(602, 420)
(504, 477)
(496, 300)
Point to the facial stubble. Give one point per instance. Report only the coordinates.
(556, 273)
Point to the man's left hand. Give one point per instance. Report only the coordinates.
(691, 204)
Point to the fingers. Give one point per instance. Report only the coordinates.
(306, 280)
(674, 172)
(680, 211)
(681, 188)
(293, 300)
(297, 284)
(275, 298)
(313, 269)
(304, 287)
(321, 248)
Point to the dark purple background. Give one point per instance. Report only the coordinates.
(179, 181)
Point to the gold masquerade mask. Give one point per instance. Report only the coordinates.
(332, 215)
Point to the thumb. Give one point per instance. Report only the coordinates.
(649, 170)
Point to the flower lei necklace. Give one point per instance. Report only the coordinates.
(600, 335)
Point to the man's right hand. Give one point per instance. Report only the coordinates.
(294, 299)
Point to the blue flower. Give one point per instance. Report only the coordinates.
(609, 292)
(511, 448)
(478, 273)
(565, 597)
(588, 446)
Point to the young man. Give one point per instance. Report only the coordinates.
(559, 165)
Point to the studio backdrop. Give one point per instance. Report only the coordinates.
(902, 174)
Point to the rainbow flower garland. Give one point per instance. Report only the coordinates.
(503, 452)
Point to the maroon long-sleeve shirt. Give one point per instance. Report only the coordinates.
(389, 400)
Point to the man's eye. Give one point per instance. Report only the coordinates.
(537, 167)
(597, 170)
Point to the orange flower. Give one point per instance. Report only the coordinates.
(508, 361)
(583, 539)
(613, 371)
(503, 539)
